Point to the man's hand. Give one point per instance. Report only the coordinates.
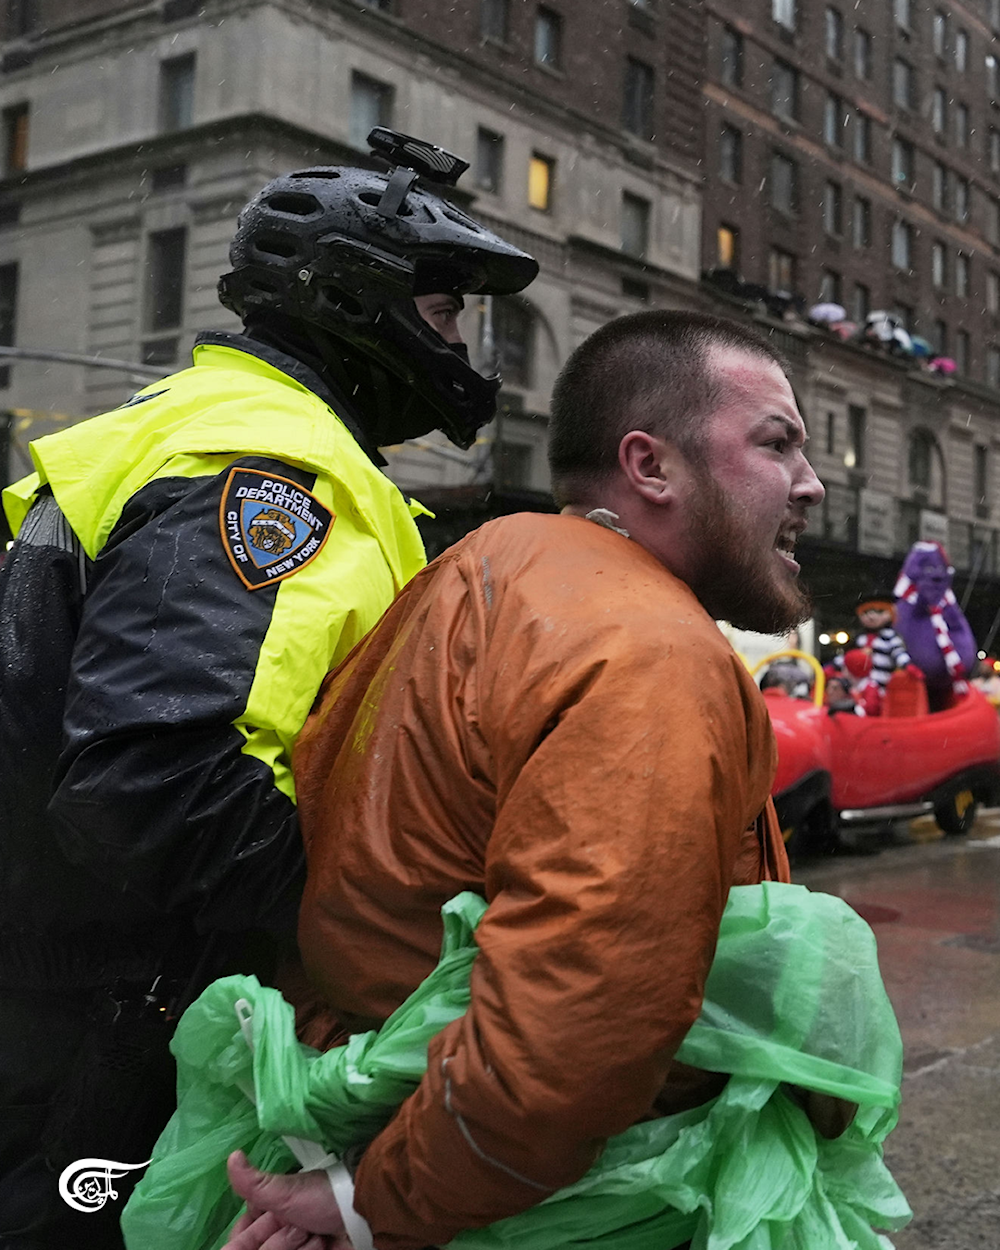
(828, 1115)
(284, 1212)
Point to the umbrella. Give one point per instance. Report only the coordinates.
(883, 325)
(902, 340)
(943, 364)
(921, 347)
(827, 312)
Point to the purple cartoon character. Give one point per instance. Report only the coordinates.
(931, 623)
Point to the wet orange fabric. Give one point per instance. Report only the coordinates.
(548, 717)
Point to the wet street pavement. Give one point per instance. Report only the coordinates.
(935, 908)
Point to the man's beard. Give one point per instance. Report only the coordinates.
(734, 583)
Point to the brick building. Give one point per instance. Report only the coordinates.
(134, 131)
(853, 157)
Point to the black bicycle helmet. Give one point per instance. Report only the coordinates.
(345, 250)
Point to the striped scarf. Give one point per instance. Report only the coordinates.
(907, 591)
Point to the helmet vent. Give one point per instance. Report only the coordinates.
(316, 173)
(460, 219)
(271, 243)
(296, 203)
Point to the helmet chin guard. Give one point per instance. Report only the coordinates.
(345, 250)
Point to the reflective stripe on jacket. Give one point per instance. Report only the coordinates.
(153, 730)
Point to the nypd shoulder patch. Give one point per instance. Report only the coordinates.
(270, 526)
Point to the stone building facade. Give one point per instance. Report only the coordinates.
(133, 133)
(648, 152)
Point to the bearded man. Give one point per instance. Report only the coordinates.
(549, 715)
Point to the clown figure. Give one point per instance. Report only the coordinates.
(887, 650)
(931, 623)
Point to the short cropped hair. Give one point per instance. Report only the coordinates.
(647, 371)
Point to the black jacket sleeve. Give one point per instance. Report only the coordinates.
(153, 792)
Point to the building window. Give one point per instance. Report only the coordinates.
(783, 12)
(981, 454)
(904, 314)
(177, 92)
(901, 11)
(168, 177)
(833, 208)
(489, 160)
(15, 139)
(993, 291)
(861, 303)
(727, 247)
(993, 221)
(940, 338)
(961, 199)
(731, 68)
(784, 91)
(834, 33)
(922, 455)
(164, 294)
(784, 183)
(939, 110)
(939, 187)
(781, 272)
(731, 154)
(494, 19)
(962, 351)
(993, 150)
(938, 263)
(961, 274)
(962, 125)
(902, 83)
(902, 162)
(901, 244)
(861, 227)
(165, 256)
(514, 336)
(992, 77)
(992, 368)
(962, 51)
(541, 176)
(635, 225)
(862, 54)
(637, 102)
(833, 120)
(831, 433)
(371, 106)
(511, 464)
(8, 314)
(830, 287)
(548, 38)
(857, 420)
(940, 33)
(862, 139)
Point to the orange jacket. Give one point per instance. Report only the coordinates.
(548, 717)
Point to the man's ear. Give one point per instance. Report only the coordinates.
(653, 467)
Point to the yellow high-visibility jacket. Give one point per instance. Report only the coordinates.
(186, 570)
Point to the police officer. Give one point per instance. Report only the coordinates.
(186, 569)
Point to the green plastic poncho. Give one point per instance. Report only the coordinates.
(794, 995)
